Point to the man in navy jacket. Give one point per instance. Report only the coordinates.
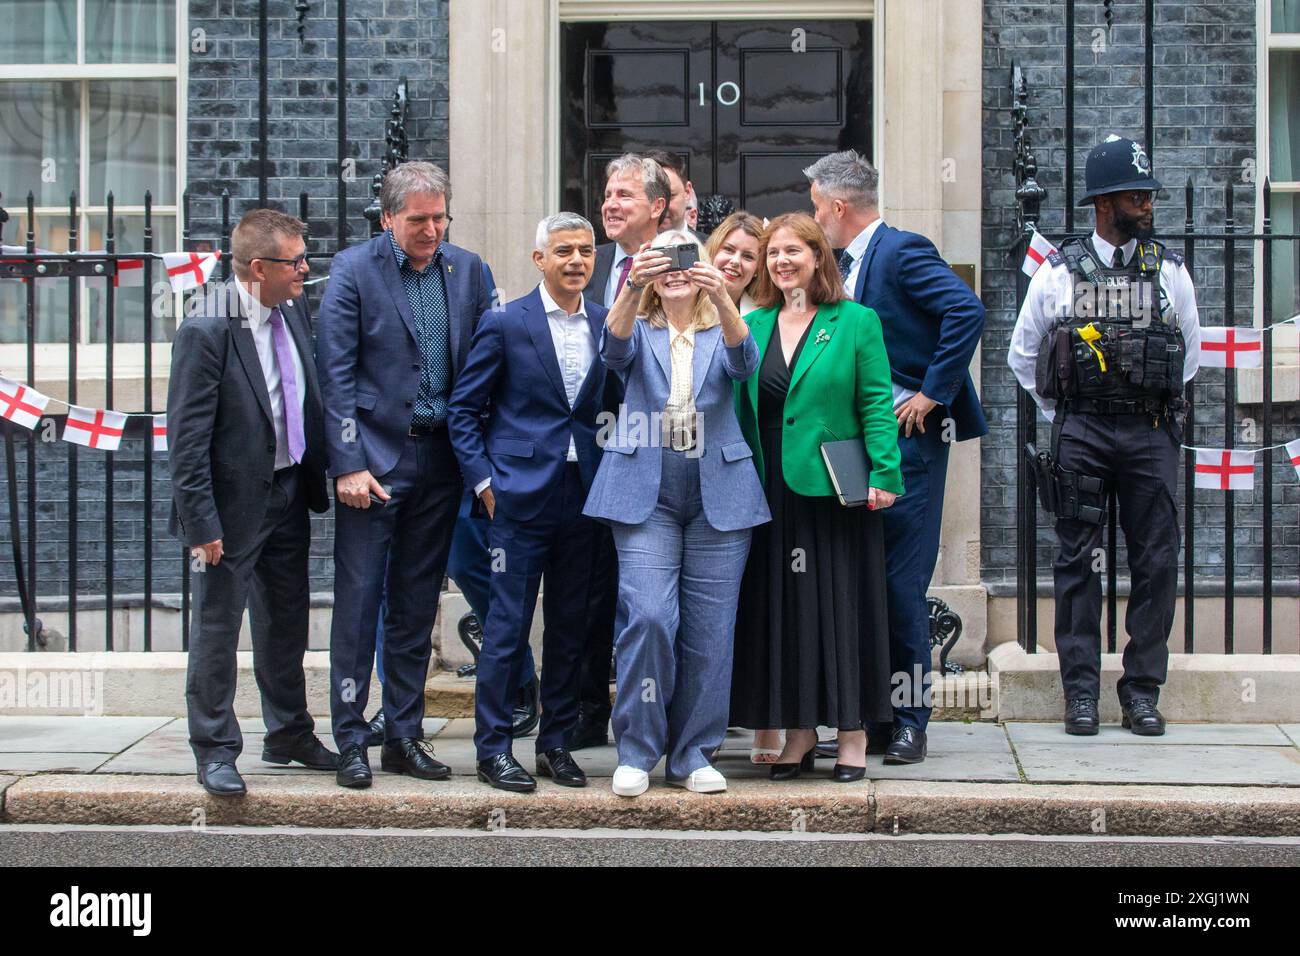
(535, 371)
(393, 334)
(932, 323)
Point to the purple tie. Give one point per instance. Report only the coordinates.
(288, 386)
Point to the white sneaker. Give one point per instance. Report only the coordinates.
(704, 780)
(630, 782)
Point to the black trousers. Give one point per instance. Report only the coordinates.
(268, 575)
(1140, 461)
(598, 644)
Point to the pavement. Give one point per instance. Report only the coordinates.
(1199, 780)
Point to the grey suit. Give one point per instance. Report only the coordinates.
(221, 454)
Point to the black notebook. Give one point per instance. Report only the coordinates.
(850, 470)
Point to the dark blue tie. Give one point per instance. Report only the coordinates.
(846, 264)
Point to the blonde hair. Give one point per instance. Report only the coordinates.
(750, 225)
(651, 307)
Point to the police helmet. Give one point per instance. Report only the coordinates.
(1117, 165)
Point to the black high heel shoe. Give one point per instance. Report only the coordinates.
(846, 774)
(789, 771)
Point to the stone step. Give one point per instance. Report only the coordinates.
(813, 806)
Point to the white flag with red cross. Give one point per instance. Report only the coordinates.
(94, 427)
(160, 433)
(1293, 453)
(1037, 253)
(189, 270)
(1232, 348)
(130, 273)
(1225, 469)
(20, 404)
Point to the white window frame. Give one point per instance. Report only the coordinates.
(165, 241)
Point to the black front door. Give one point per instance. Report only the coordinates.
(747, 104)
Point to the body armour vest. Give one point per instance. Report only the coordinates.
(1120, 341)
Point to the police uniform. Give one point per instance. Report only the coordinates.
(1104, 342)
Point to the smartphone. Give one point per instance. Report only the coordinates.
(681, 257)
(375, 499)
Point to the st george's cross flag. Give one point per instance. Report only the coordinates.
(94, 427)
(189, 270)
(1232, 347)
(1293, 454)
(1225, 469)
(1037, 253)
(20, 404)
(129, 274)
(160, 433)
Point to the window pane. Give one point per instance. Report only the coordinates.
(1286, 16)
(38, 142)
(51, 294)
(1286, 256)
(128, 324)
(130, 31)
(39, 31)
(133, 141)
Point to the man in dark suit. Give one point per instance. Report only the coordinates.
(637, 191)
(535, 371)
(247, 461)
(932, 323)
(394, 331)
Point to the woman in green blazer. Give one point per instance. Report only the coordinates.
(812, 634)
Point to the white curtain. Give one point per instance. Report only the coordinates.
(130, 31)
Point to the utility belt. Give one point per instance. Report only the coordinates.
(1154, 407)
(1067, 494)
(1111, 362)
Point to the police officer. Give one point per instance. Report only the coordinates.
(1107, 337)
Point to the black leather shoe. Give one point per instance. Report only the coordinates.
(222, 779)
(377, 725)
(504, 772)
(586, 733)
(309, 752)
(1081, 717)
(354, 768)
(846, 774)
(791, 771)
(1141, 717)
(558, 764)
(907, 746)
(413, 756)
(527, 710)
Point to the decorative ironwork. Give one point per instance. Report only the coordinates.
(396, 152)
(1030, 194)
(1108, 8)
(713, 209)
(301, 8)
(945, 629)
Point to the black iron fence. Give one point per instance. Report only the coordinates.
(1207, 424)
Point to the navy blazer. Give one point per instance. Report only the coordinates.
(599, 280)
(932, 322)
(627, 485)
(510, 418)
(220, 433)
(368, 354)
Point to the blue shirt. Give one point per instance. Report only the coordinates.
(427, 293)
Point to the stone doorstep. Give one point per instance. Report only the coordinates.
(886, 806)
(1201, 688)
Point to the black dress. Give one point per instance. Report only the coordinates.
(812, 632)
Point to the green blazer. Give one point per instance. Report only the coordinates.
(839, 389)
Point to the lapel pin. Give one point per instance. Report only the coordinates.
(822, 337)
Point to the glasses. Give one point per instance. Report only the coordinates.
(296, 261)
(1141, 199)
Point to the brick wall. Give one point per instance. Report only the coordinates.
(1205, 114)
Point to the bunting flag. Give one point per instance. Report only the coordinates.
(189, 270)
(1293, 453)
(1232, 347)
(94, 428)
(130, 274)
(1225, 469)
(20, 404)
(1037, 253)
(160, 433)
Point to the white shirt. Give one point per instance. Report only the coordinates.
(679, 410)
(575, 350)
(1049, 299)
(259, 323)
(611, 284)
(857, 249)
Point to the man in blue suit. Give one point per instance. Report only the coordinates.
(392, 335)
(932, 323)
(535, 371)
